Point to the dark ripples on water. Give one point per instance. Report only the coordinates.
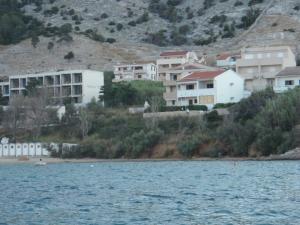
(151, 193)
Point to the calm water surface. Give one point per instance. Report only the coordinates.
(151, 193)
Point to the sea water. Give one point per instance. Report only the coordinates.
(179, 192)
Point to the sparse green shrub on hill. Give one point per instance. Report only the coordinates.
(159, 38)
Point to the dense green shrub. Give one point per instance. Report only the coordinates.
(254, 2)
(190, 145)
(208, 4)
(249, 18)
(238, 3)
(15, 26)
(159, 38)
(223, 105)
(166, 11)
(143, 18)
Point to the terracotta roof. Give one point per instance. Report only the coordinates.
(202, 75)
(190, 66)
(290, 71)
(223, 56)
(178, 53)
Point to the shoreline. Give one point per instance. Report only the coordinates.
(49, 160)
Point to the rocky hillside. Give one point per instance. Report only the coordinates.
(101, 33)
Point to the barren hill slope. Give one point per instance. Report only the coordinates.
(278, 24)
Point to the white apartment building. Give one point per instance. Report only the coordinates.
(209, 88)
(79, 86)
(259, 66)
(288, 78)
(135, 71)
(177, 73)
(170, 60)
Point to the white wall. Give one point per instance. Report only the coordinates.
(280, 81)
(92, 81)
(228, 85)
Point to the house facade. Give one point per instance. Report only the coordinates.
(177, 73)
(79, 86)
(170, 60)
(135, 71)
(227, 61)
(288, 78)
(259, 66)
(209, 88)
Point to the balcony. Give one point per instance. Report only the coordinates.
(195, 92)
(77, 78)
(169, 83)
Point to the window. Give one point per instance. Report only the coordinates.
(210, 85)
(289, 82)
(139, 76)
(231, 84)
(173, 102)
(195, 101)
(189, 87)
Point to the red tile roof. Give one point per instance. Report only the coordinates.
(223, 56)
(178, 53)
(202, 75)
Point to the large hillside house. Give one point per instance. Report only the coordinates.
(209, 88)
(170, 60)
(78, 86)
(287, 79)
(177, 73)
(259, 66)
(135, 71)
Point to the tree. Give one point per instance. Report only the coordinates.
(14, 116)
(3, 100)
(69, 56)
(31, 88)
(37, 111)
(34, 40)
(84, 122)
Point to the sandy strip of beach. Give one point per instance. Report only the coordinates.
(90, 160)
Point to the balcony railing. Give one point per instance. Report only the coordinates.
(195, 92)
(169, 83)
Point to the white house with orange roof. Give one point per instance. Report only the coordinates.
(209, 88)
(177, 73)
(170, 60)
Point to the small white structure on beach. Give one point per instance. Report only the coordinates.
(23, 149)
